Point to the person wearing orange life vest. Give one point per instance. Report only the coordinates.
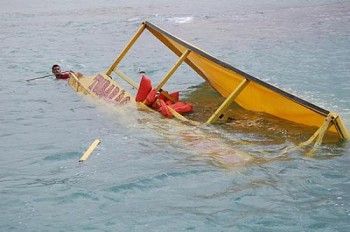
(56, 70)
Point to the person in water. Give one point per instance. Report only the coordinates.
(56, 70)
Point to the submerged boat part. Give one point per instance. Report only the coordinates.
(234, 85)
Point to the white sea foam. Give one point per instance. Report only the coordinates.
(180, 20)
(135, 19)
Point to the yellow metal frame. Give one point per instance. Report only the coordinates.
(331, 119)
(126, 78)
(173, 69)
(126, 49)
(317, 137)
(114, 68)
(340, 127)
(226, 104)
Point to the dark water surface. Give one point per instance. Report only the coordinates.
(154, 174)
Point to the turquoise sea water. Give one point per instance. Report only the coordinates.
(154, 174)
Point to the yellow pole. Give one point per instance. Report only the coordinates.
(72, 74)
(167, 95)
(173, 69)
(224, 106)
(342, 131)
(323, 130)
(318, 135)
(87, 153)
(126, 78)
(126, 49)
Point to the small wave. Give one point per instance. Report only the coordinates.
(171, 19)
(62, 156)
(135, 19)
(180, 20)
(152, 182)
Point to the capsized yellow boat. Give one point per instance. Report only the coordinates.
(233, 84)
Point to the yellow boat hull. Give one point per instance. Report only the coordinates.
(100, 86)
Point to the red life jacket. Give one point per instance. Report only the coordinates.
(144, 88)
(174, 95)
(182, 107)
(151, 97)
(159, 101)
(164, 109)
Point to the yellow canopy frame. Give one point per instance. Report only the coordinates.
(236, 86)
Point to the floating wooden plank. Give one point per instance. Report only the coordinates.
(87, 153)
